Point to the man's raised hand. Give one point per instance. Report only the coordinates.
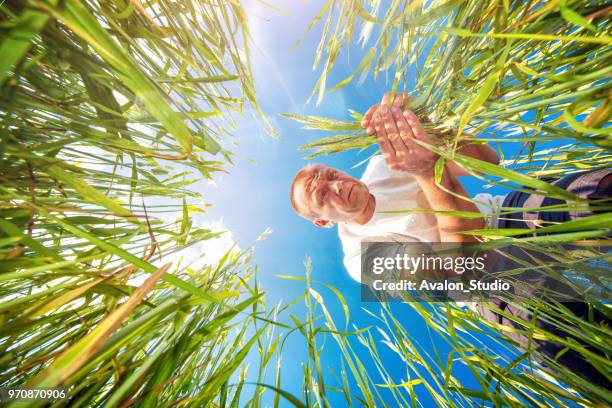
(397, 133)
(389, 100)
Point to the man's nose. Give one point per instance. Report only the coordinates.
(336, 186)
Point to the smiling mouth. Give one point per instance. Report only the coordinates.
(348, 197)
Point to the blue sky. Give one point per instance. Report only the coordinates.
(254, 197)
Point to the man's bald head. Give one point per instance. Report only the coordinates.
(326, 195)
(298, 182)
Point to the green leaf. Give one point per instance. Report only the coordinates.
(77, 17)
(572, 17)
(89, 193)
(146, 266)
(286, 395)
(438, 169)
(17, 43)
(485, 91)
(69, 361)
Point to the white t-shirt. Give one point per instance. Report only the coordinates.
(397, 191)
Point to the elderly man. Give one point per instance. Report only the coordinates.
(403, 179)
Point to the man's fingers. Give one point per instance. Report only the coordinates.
(386, 100)
(366, 122)
(417, 129)
(392, 131)
(383, 141)
(403, 128)
(402, 152)
(401, 100)
(390, 100)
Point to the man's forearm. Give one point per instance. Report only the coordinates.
(450, 226)
(478, 151)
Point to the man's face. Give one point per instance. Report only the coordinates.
(329, 195)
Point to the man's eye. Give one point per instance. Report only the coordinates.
(322, 194)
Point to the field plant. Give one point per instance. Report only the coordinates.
(500, 372)
(505, 71)
(110, 111)
(531, 77)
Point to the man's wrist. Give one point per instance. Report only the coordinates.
(427, 176)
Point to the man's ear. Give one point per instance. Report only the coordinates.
(323, 223)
